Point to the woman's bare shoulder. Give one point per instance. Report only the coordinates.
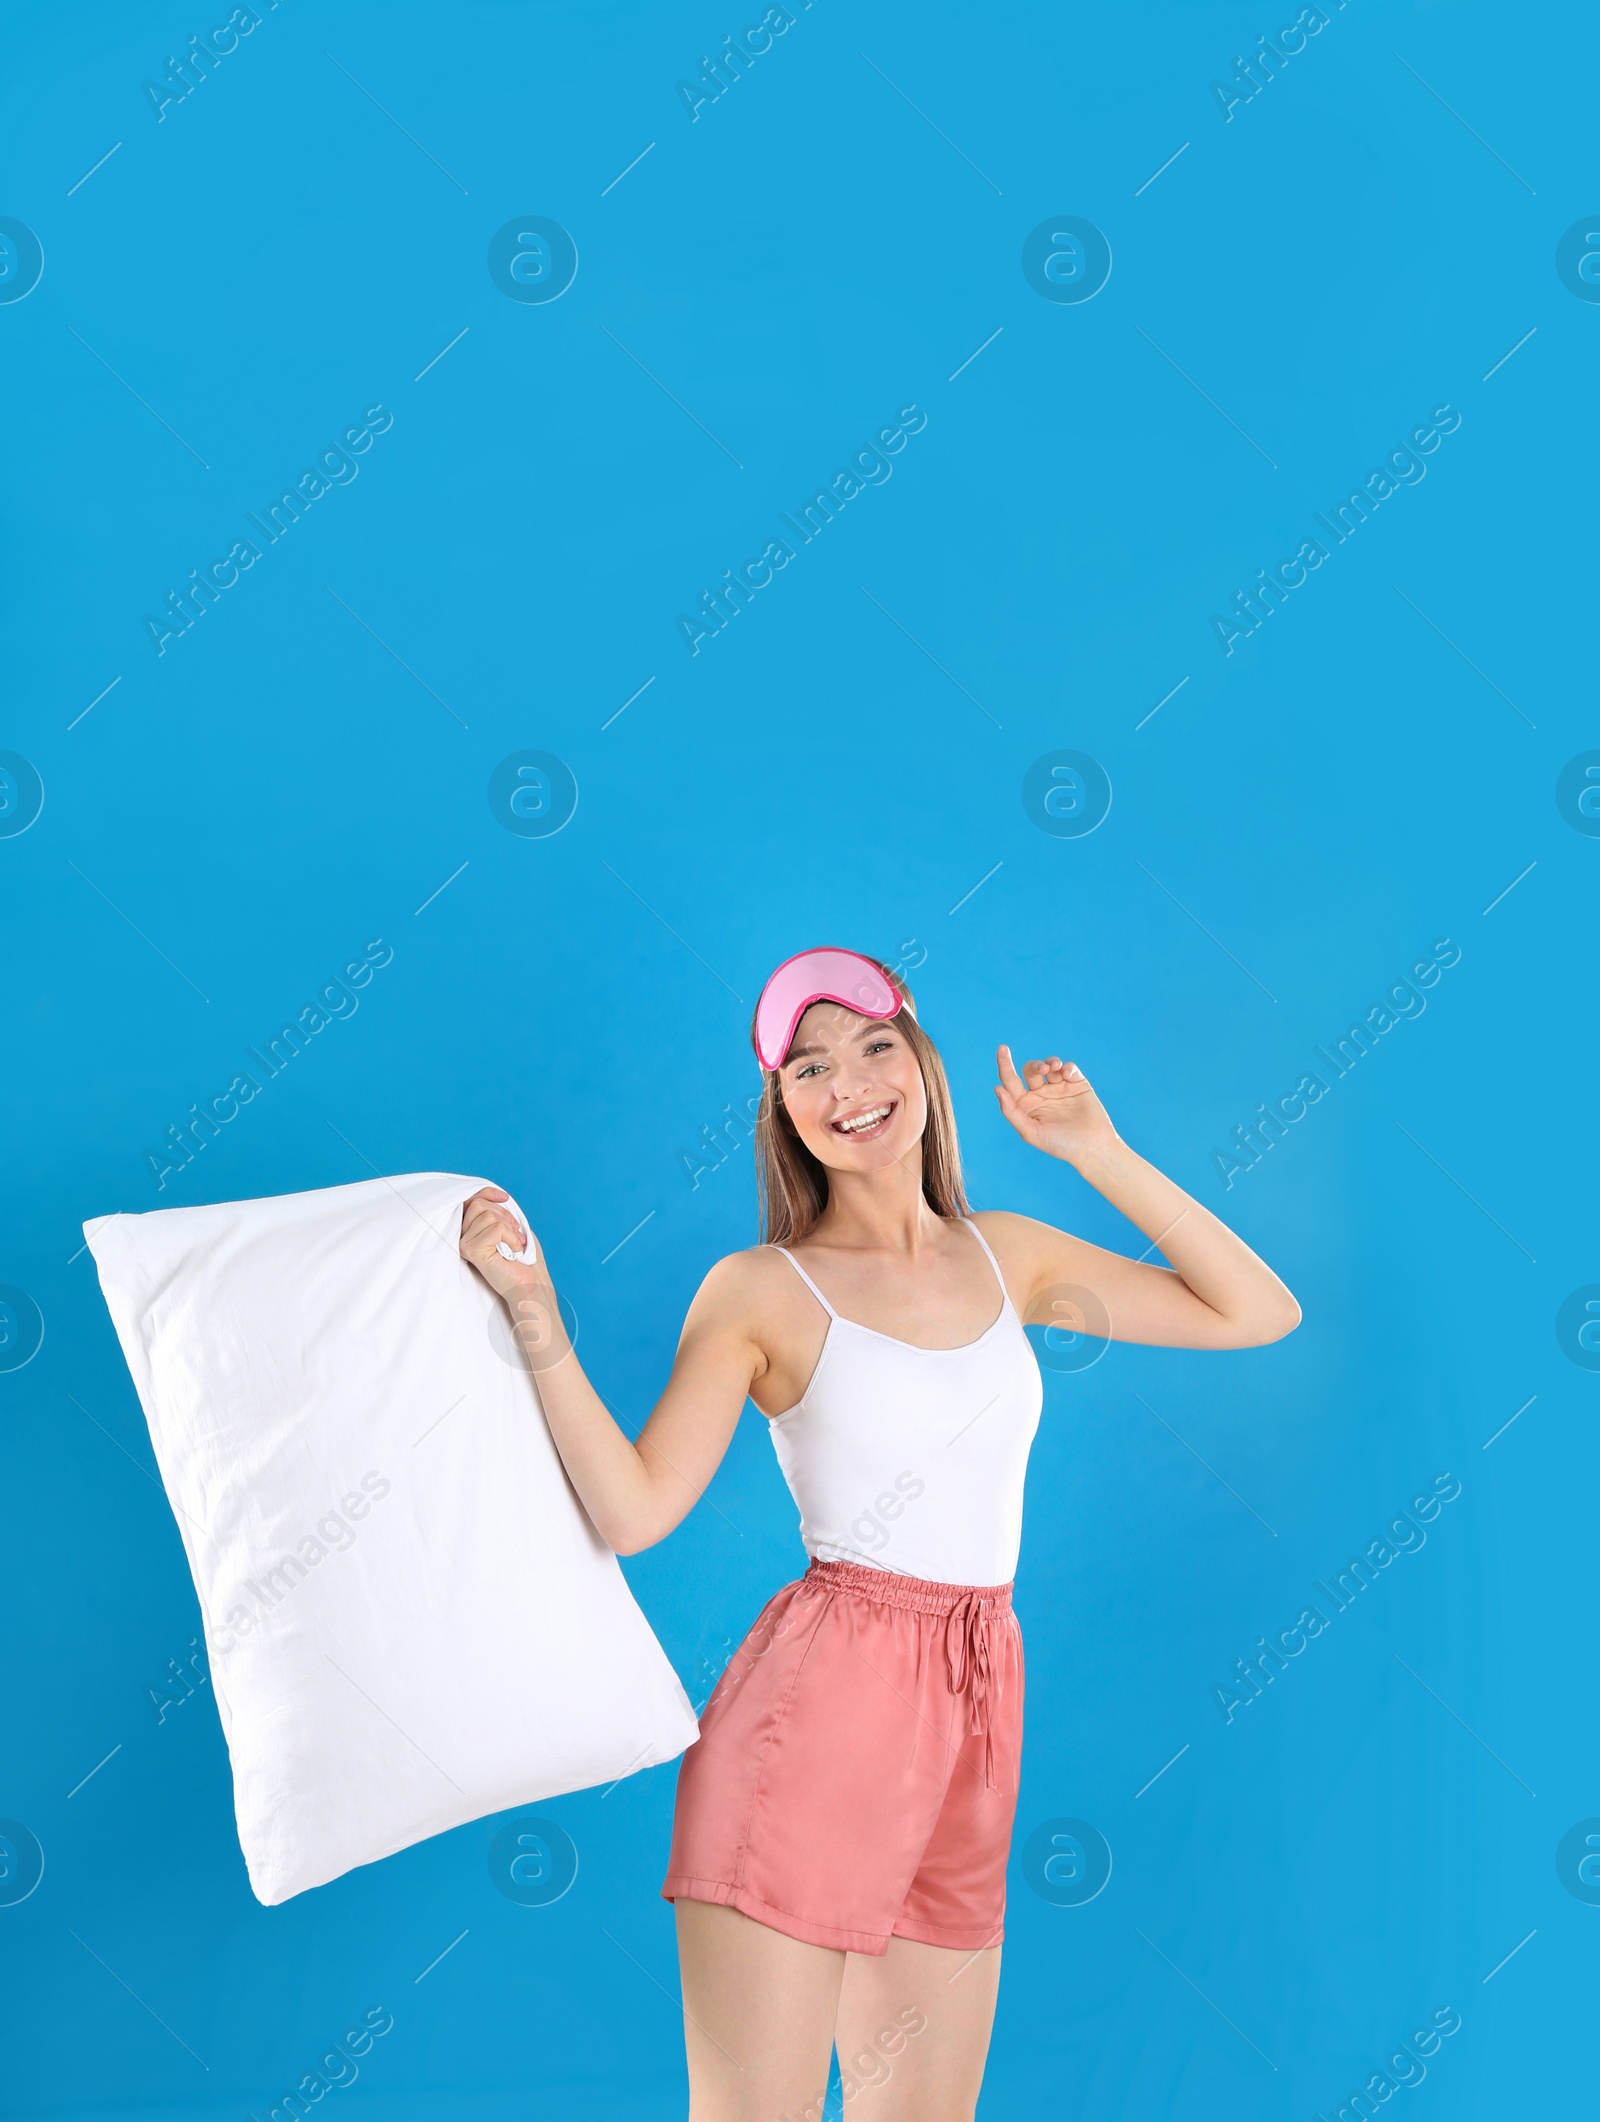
(747, 1283)
(1003, 1226)
(1019, 1243)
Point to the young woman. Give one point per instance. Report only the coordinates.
(843, 1821)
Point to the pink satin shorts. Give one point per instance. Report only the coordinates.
(856, 1772)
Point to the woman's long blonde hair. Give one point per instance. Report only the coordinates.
(792, 1184)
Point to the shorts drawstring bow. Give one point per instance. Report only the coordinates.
(966, 1650)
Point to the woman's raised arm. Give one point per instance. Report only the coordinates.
(1216, 1294)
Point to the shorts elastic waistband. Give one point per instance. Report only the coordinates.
(920, 1594)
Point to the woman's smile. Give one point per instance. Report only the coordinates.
(867, 1122)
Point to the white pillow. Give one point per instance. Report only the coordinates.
(412, 1621)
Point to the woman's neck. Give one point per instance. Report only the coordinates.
(882, 1211)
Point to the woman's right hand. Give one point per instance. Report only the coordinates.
(486, 1224)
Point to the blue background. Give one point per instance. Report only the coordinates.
(306, 767)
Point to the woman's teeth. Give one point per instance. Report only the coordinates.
(860, 1123)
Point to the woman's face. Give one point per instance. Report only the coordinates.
(853, 1089)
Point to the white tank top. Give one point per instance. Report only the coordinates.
(913, 1459)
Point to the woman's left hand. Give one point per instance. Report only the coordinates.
(1052, 1106)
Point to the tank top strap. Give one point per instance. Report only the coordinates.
(993, 1262)
(806, 1279)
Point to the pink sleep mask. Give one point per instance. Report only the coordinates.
(842, 976)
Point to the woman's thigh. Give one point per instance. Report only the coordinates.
(913, 2031)
(759, 2010)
